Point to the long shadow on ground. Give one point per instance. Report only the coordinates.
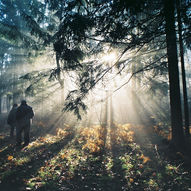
(88, 175)
(160, 167)
(119, 182)
(15, 176)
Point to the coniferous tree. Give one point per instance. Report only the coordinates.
(175, 103)
(181, 48)
(76, 29)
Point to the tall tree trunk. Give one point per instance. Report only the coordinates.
(111, 109)
(175, 102)
(0, 104)
(8, 102)
(186, 111)
(105, 119)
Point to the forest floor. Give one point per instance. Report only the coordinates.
(117, 158)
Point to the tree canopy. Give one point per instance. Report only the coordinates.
(78, 32)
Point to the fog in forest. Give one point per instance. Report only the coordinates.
(119, 98)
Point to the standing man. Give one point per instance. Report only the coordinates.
(24, 114)
(11, 120)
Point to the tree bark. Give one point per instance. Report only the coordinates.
(111, 110)
(8, 102)
(175, 101)
(105, 119)
(186, 111)
(0, 104)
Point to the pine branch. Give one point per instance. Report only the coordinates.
(146, 68)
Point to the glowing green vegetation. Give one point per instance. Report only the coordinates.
(60, 163)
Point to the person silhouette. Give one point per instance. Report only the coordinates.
(24, 114)
(11, 120)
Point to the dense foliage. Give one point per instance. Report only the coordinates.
(77, 32)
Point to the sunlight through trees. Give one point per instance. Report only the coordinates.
(109, 83)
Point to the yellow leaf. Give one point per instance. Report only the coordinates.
(42, 168)
(142, 156)
(63, 156)
(146, 159)
(10, 157)
(131, 180)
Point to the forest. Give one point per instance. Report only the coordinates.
(109, 82)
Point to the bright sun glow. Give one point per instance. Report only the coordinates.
(109, 57)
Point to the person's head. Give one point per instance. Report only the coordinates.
(15, 105)
(23, 102)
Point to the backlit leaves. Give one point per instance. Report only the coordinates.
(88, 159)
(10, 158)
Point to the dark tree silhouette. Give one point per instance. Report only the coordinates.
(181, 48)
(175, 103)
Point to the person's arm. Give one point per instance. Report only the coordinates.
(31, 113)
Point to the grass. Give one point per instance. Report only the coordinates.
(125, 157)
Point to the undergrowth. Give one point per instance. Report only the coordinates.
(90, 158)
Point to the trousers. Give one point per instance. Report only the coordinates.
(12, 130)
(19, 130)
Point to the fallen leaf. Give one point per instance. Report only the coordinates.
(131, 180)
(10, 157)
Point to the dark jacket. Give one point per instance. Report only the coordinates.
(23, 114)
(11, 120)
